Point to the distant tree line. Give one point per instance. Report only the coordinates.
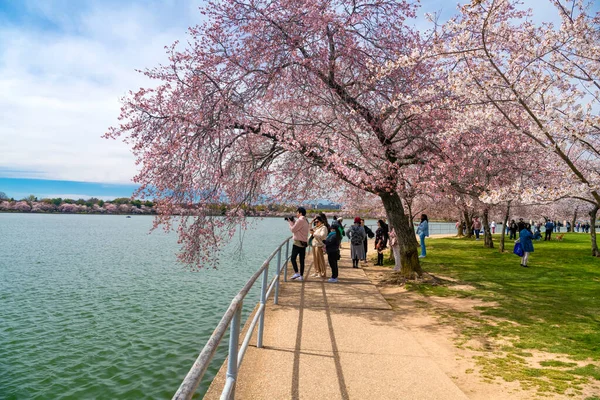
(125, 205)
(121, 205)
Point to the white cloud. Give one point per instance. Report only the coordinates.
(64, 69)
(73, 196)
(60, 87)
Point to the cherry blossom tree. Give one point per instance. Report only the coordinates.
(110, 208)
(284, 99)
(543, 79)
(68, 208)
(21, 206)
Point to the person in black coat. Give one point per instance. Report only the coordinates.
(370, 235)
(513, 229)
(381, 239)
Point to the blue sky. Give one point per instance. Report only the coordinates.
(47, 188)
(64, 65)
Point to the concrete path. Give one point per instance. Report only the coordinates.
(336, 341)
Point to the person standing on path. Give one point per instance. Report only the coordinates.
(493, 227)
(319, 234)
(357, 235)
(332, 247)
(423, 231)
(525, 237)
(381, 239)
(299, 228)
(370, 235)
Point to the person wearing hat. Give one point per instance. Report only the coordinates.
(356, 234)
(299, 228)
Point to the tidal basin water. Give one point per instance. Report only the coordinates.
(94, 307)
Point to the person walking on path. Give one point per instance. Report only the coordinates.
(370, 235)
(549, 228)
(476, 227)
(357, 235)
(493, 226)
(423, 231)
(381, 239)
(319, 234)
(332, 247)
(299, 228)
(525, 237)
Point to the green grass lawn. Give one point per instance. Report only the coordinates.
(551, 307)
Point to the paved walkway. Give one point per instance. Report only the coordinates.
(337, 341)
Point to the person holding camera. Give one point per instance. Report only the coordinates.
(299, 228)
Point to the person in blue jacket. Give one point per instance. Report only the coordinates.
(423, 232)
(525, 237)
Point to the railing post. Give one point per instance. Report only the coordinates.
(278, 272)
(234, 338)
(263, 300)
(287, 256)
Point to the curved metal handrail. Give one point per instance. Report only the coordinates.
(232, 318)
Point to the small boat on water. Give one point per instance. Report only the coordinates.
(129, 216)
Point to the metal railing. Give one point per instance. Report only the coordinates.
(232, 318)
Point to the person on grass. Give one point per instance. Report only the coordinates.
(476, 227)
(513, 229)
(423, 232)
(549, 228)
(525, 237)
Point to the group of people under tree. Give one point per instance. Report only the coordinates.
(324, 237)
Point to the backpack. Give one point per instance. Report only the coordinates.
(355, 239)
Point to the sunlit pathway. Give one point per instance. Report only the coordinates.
(337, 341)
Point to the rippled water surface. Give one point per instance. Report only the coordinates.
(93, 307)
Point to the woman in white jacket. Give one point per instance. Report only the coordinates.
(319, 234)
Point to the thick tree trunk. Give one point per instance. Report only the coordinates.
(487, 234)
(408, 262)
(574, 220)
(460, 229)
(504, 225)
(469, 224)
(593, 214)
(395, 252)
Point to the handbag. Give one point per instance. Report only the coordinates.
(518, 250)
